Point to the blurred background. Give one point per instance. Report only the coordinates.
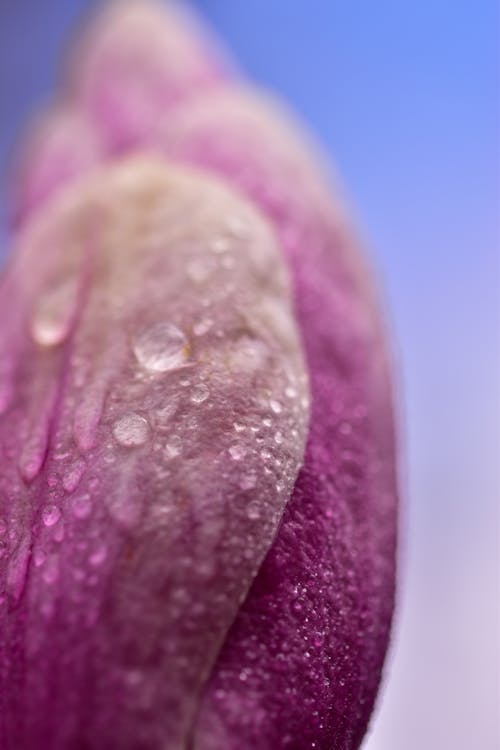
(405, 98)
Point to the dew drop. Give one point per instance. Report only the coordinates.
(161, 347)
(199, 270)
(248, 482)
(82, 506)
(39, 557)
(174, 446)
(238, 427)
(237, 452)
(278, 438)
(203, 326)
(220, 245)
(73, 476)
(236, 226)
(51, 321)
(98, 556)
(200, 394)
(51, 515)
(275, 406)
(131, 430)
(253, 511)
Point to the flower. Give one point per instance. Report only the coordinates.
(198, 488)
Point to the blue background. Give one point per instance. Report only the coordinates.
(404, 96)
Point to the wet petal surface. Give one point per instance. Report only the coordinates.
(147, 451)
(302, 664)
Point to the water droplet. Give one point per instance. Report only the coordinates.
(200, 394)
(248, 482)
(267, 422)
(131, 430)
(39, 557)
(51, 515)
(161, 347)
(253, 511)
(220, 245)
(174, 446)
(238, 427)
(73, 476)
(98, 556)
(278, 438)
(203, 326)
(237, 452)
(290, 392)
(52, 480)
(200, 269)
(52, 318)
(318, 640)
(82, 506)
(51, 570)
(275, 406)
(236, 226)
(265, 454)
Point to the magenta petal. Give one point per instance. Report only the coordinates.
(302, 663)
(61, 146)
(147, 451)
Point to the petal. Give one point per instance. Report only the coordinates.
(137, 60)
(302, 663)
(58, 148)
(146, 451)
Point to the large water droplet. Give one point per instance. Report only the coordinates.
(51, 515)
(161, 347)
(131, 430)
(53, 314)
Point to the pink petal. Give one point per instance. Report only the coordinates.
(60, 147)
(137, 60)
(146, 452)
